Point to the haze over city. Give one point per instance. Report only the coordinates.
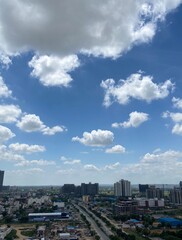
(90, 91)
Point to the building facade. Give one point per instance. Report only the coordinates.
(176, 196)
(1, 179)
(153, 192)
(122, 188)
(90, 189)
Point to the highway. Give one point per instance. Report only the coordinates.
(101, 234)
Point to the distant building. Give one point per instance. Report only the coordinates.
(41, 217)
(68, 189)
(125, 208)
(180, 184)
(85, 198)
(143, 188)
(175, 196)
(153, 192)
(122, 188)
(89, 189)
(150, 203)
(1, 179)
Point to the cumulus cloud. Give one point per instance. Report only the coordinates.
(7, 155)
(5, 60)
(116, 149)
(5, 134)
(176, 117)
(102, 28)
(4, 91)
(167, 156)
(53, 70)
(155, 167)
(9, 113)
(32, 123)
(35, 162)
(70, 161)
(53, 130)
(177, 120)
(25, 148)
(136, 86)
(135, 120)
(177, 129)
(30, 171)
(97, 138)
(177, 102)
(65, 171)
(112, 166)
(91, 167)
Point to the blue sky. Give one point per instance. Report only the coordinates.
(90, 91)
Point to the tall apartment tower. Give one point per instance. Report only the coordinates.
(153, 192)
(176, 196)
(122, 188)
(1, 179)
(89, 189)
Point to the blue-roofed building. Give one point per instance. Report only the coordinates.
(47, 216)
(173, 222)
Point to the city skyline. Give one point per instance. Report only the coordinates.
(90, 92)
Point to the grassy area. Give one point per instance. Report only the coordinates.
(138, 237)
(28, 233)
(12, 235)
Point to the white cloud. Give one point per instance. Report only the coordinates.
(9, 113)
(9, 156)
(65, 171)
(156, 167)
(177, 129)
(163, 157)
(176, 117)
(72, 162)
(97, 138)
(177, 102)
(135, 120)
(30, 171)
(25, 148)
(4, 91)
(177, 120)
(91, 167)
(53, 70)
(32, 123)
(5, 60)
(108, 28)
(5, 134)
(53, 130)
(112, 166)
(136, 86)
(116, 149)
(35, 162)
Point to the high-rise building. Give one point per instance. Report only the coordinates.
(176, 196)
(143, 188)
(89, 189)
(1, 179)
(122, 188)
(153, 192)
(68, 189)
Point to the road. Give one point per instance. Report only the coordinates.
(104, 226)
(101, 234)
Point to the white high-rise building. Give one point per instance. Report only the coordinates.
(122, 188)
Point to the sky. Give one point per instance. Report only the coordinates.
(90, 91)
